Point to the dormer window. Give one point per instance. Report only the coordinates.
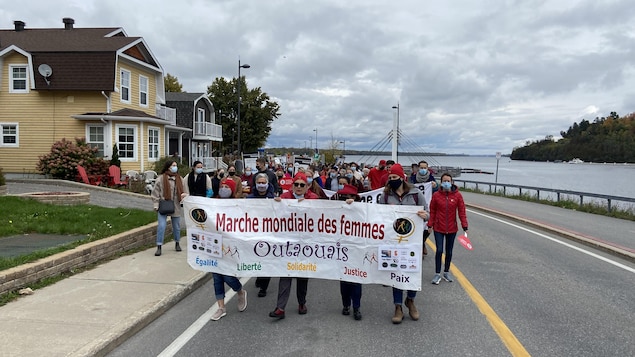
(19, 80)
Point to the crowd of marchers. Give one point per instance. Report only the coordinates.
(335, 182)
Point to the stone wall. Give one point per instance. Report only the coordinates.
(79, 257)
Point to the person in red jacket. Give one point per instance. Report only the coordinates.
(444, 206)
(300, 191)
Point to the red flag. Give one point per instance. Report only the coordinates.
(465, 242)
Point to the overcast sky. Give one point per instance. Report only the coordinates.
(472, 77)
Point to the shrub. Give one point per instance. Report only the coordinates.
(115, 157)
(65, 155)
(2, 180)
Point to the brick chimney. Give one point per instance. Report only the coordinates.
(68, 23)
(19, 25)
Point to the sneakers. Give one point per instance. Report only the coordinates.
(277, 313)
(158, 252)
(398, 315)
(242, 301)
(177, 247)
(357, 314)
(437, 279)
(302, 310)
(346, 310)
(218, 314)
(447, 277)
(412, 309)
(262, 292)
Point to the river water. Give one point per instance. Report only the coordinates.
(608, 179)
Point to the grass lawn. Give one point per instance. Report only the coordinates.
(25, 216)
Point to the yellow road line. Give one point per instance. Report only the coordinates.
(511, 342)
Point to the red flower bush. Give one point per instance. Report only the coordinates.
(64, 157)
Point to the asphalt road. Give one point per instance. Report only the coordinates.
(524, 292)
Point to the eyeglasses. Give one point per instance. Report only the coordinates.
(299, 184)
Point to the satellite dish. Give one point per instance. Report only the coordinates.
(46, 71)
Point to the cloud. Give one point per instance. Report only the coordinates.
(468, 77)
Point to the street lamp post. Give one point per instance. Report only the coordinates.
(316, 145)
(238, 91)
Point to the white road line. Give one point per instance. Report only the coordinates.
(619, 265)
(194, 328)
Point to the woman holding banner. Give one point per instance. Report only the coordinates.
(300, 191)
(351, 292)
(226, 187)
(262, 189)
(399, 192)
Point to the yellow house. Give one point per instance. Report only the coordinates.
(69, 82)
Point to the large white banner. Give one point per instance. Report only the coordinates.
(358, 242)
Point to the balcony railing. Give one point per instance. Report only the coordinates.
(167, 113)
(208, 130)
(211, 163)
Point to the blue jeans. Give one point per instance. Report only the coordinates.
(397, 295)
(219, 284)
(449, 246)
(176, 228)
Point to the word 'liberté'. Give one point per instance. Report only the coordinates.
(298, 223)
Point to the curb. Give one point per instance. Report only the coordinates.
(123, 332)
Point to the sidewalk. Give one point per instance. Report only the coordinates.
(92, 312)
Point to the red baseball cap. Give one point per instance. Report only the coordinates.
(382, 162)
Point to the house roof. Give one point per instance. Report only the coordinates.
(127, 115)
(182, 96)
(81, 58)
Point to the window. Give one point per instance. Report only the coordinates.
(127, 142)
(153, 144)
(95, 138)
(18, 82)
(125, 86)
(9, 132)
(143, 91)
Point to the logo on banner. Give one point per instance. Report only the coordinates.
(404, 229)
(199, 216)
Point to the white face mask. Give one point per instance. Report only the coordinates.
(262, 187)
(225, 192)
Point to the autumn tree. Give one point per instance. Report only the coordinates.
(257, 112)
(172, 84)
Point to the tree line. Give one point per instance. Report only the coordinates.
(606, 139)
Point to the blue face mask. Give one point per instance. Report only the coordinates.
(446, 185)
(423, 171)
(198, 171)
(309, 180)
(350, 176)
(340, 187)
(353, 168)
(333, 175)
(174, 169)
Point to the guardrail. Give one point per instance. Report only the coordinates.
(558, 193)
